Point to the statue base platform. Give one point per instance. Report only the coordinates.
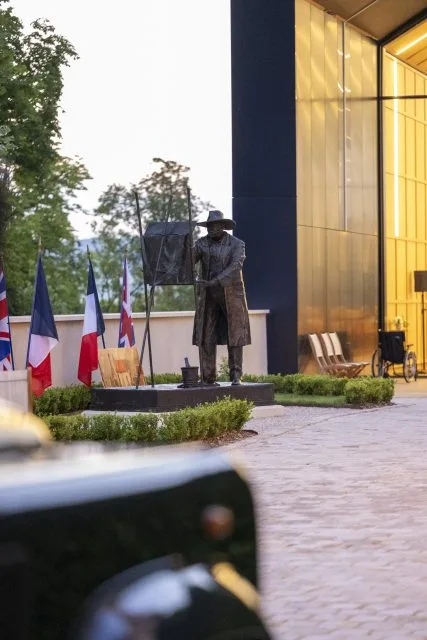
(169, 397)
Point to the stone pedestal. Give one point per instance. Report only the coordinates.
(169, 397)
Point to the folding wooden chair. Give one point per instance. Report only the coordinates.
(323, 364)
(119, 367)
(351, 368)
(339, 355)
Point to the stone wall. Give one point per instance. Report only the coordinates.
(171, 335)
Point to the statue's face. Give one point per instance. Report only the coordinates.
(215, 230)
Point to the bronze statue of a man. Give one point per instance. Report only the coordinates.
(221, 311)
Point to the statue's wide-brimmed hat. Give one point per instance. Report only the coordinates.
(218, 216)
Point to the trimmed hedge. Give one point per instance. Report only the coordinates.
(196, 423)
(63, 400)
(282, 384)
(302, 384)
(57, 400)
(368, 391)
(165, 378)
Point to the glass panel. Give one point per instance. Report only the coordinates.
(421, 211)
(410, 146)
(337, 220)
(420, 148)
(411, 210)
(318, 138)
(405, 138)
(419, 104)
(409, 91)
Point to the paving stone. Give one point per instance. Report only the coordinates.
(342, 513)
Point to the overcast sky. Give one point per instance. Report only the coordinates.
(153, 79)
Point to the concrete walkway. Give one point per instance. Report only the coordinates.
(342, 505)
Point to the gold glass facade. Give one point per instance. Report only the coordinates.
(337, 190)
(405, 166)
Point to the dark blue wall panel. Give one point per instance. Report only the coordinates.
(264, 165)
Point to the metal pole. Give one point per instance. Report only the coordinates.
(381, 199)
(151, 302)
(34, 301)
(147, 308)
(424, 332)
(190, 222)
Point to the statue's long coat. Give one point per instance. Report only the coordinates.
(237, 327)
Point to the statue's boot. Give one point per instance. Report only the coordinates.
(235, 359)
(211, 381)
(235, 380)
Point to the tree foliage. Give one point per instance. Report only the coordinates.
(37, 185)
(162, 194)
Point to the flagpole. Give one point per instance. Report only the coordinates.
(8, 316)
(34, 302)
(90, 263)
(121, 298)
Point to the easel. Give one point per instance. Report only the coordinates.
(149, 298)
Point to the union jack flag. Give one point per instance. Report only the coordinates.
(126, 332)
(5, 339)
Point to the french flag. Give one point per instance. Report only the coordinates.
(126, 332)
(43, 336)
(6, 354)
(93, 326)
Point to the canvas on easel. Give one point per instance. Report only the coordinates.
(119, 367)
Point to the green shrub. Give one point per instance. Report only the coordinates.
(338, 386)
(58, 400)
(286, 384)
(365, 391)
(197, 423)
(314, 386)
(282, 383)
(165, 378)
(63, 400)
(109, 427)
(68, 428)
(320, 386)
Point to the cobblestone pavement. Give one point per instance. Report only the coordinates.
(342, 506)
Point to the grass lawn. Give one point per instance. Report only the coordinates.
(290, 399)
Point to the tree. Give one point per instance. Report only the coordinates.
(116, 229)
(37, 184)
(47, 224)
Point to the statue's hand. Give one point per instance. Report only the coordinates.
(207, 283)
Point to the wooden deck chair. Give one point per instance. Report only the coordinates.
(339, 354)
(16, 387)
(119, 367)
(352, 369)
(322, 363)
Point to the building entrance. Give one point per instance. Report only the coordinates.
(404, 115)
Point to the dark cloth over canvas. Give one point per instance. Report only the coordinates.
(167, 254)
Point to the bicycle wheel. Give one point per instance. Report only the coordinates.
(410, 366)
(377, 365)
